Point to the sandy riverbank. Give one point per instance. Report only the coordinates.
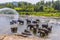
(15, 37)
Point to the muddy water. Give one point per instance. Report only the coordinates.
(5, 26)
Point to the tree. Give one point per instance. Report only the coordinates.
(57, 5)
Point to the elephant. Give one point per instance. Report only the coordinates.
(26, 31)
(49, 29)
(44, 25)
(43, 32)
(14, 30)
(28, 21)
(21, 22)
(30, 27)
(37, 20)
(34, 31)
(13, 22)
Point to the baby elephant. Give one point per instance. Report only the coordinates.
(26, 31)
(49, 29)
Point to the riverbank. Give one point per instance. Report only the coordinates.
(46, 14)
(39, 16)
(15, 37)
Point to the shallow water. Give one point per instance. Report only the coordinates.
(5, 26)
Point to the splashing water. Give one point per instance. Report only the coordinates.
(7, 15)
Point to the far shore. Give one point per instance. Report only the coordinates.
(38, 16)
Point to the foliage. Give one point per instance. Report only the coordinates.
(49, 8)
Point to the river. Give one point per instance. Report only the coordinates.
(55, 35)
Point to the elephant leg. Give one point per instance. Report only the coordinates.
(42, 34)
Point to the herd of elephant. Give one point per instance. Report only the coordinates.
(43, 31)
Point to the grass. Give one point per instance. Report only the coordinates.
(57, 14)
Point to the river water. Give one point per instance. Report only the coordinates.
(55, 35)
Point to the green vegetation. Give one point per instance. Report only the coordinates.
(49, 8)
(41, 14)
